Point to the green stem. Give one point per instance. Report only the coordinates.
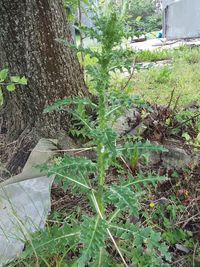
(100, 147)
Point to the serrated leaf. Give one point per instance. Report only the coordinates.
(15, 79)
(143, 147)
(142, 179)
(123, 198)
(139, 236)
(102, 258)
(71, 171)
(142, 235)
(62, 103)
(3, 74)
(53, 240)
(125, 231)
(93, 234)
(164, 250)
(23, 81)
(74, 164)
(10, 87)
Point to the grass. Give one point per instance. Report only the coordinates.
(158, 54)
(156, 83)
(189, 54)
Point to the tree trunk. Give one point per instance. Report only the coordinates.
(28, 29)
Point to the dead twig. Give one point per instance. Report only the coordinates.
(194, 253)
(191, 118)
(171, 98)
(77, 150)
(175, 105)
(130, 77)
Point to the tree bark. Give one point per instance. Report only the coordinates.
(28, 29)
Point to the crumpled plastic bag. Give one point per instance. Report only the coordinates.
(24, 207)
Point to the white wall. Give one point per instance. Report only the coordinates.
(168, 2)
(182, 19)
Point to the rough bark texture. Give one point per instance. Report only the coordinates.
(28, 29)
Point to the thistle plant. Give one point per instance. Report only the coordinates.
(107, 221)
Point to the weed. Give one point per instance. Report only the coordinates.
(103, 235)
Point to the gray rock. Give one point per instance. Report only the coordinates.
(182, 248)
(177, 156)
(127, 122)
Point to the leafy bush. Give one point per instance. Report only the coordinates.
(151, 17)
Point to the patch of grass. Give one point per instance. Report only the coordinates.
(189, 54)
(152, 56)
(156, 84)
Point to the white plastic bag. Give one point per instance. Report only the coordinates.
(25, 205)
(24, 208)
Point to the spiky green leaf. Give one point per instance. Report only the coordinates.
(63, 103)
(102, 258)
(142, 148)
(93, 235)
(123, 198)
(71, 164)
(71, 171)
(141, 179)
(54, 239)
(139, 236)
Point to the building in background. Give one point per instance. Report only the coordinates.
(181, 19)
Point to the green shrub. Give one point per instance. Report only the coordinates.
(151, 17)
